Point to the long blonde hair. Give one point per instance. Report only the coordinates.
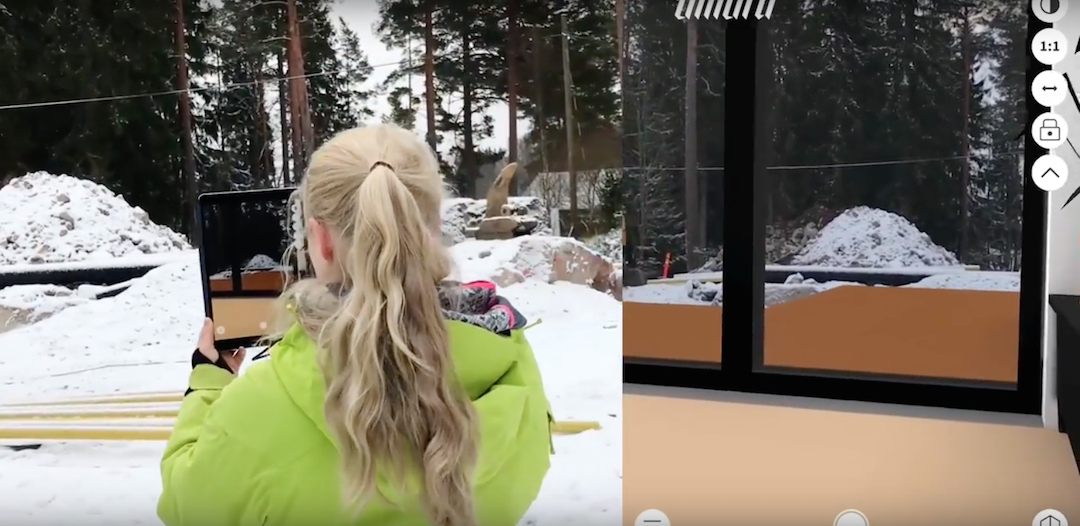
(392, 401)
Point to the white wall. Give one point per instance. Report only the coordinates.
(1063, 228)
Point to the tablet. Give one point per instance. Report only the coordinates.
(244, 236)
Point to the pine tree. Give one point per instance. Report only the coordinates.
(470, 42)
(247, 141)
(403, 107)
(652, 138)
(239, 154)
(72, 51)
(338, 69)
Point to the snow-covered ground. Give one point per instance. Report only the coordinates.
(141, 340)
(860, 241)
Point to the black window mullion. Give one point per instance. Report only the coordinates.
(1032, 250)
(744, 185)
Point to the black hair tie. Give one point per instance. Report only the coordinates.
(380, 163)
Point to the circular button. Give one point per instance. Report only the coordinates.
(851, 518)
(1049, 46)
(1050, 518)
(1049, 130)
(1049, 88)
(1050, 172)
(1049, 11)
(652, 518)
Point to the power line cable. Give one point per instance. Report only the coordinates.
(841, 165)
(225, 87)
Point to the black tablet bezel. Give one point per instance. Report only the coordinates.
(232, 198)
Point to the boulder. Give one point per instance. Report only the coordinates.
(539, 258)
(576, 263)
(503, 227)
(497, 228)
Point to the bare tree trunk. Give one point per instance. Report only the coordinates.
(429, 76)
(512, 88)
(620, 37)
(965, 139)
(694, 240)
(298, 104)
(568, 102)
(266, 154)
(541, 117)
(183, 84)
(283, 120)
(468, 160)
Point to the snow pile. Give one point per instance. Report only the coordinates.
(973, 280)
(261, 262)
(864, 237)
(695, 292)
(705, 292)
(58, 218)
(545, 259)
(460, 213)
(258, 263)
(23, 304)
(608, 244)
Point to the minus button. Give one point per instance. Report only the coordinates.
(652, 518)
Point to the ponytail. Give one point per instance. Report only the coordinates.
(392, 401)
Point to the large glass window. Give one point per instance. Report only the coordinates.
(673, 159)
(894, 188)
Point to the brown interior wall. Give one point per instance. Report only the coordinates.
(272, 280)
(240, 317)
(671, 331)
(966, 334)
(963, 334)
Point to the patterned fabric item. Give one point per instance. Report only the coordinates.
(478, 304)
(475, 303)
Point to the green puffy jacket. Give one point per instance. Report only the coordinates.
(257, 452)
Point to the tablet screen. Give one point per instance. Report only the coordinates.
(244, 237)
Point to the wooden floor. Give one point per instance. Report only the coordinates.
(759, 459)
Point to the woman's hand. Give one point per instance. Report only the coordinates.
(231, 359)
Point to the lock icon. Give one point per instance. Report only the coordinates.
(1049, 130)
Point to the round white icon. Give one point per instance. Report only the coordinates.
(1049, 11)
(851, 518)
(1049, 46)
(1049, 173)
(652, 518)
(1050, 518)
(1049, 130)
(1049, 88)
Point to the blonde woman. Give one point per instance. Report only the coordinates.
(391, 399)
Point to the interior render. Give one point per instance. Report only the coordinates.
(843, 290)
(244, 234)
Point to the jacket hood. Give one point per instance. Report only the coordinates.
(485, 342)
